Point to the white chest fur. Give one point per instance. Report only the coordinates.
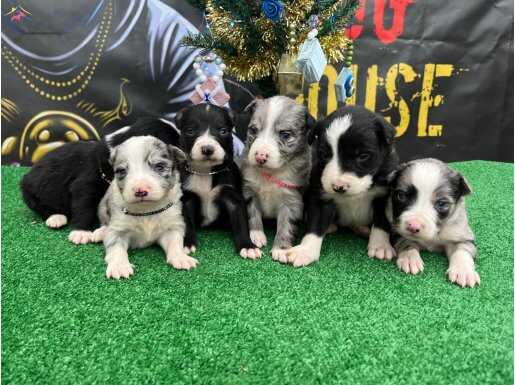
(356, 210)
(202, 185)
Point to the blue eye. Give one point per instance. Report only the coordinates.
(442, 206)
(284, 135)
(160, 167)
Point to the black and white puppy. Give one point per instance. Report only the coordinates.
(67, 184)
(427, 211)
(348, 186)
(143, 205)
(276, 167)
(211, 179)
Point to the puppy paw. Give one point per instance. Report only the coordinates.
(80, 237)
(250, 253)
(301, 255)
(183, 262)
(98, 235)
(56, 220)
(258, 238)
(410, 262)
(379, 244)
(189, 249)
(361, 231)
(117, 270)
(463, 275)
(279, 255)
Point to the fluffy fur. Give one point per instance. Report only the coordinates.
(354, 155)
(276, 166)
(427, 211)
(211, 180)
(67, 184)
(146, 180)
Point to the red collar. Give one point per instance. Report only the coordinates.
(279, 182)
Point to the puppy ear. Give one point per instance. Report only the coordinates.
(178, 118)
(460, 184)
(112, 155)
(178, 156)
(385, 131)
(393, 174)
(251, 107)
(314, 130)
(230, 114)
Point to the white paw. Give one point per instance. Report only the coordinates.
(117, 270)
(379, 245)
(57, 220)
(410, 262)
(279, 255)
(188, 250)
(98, 234)
(80, 237)
(258, 238)
(250, 253)
(183, 262)
(301, 255)
(463, 275)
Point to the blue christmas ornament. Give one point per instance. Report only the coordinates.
(344, 84)
(273, 9)
(311, 60)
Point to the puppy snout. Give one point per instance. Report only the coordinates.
(141, 192)
(261, 157)
(340, 187)
(207, 150)
(414, 226)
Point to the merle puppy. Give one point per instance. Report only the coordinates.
(427, 211)
(354, 155)
(143, 205)
(67, 184)
(276, 166)
(211, 180)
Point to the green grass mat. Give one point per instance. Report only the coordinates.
(345, 320)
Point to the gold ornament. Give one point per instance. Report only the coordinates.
(289, 78)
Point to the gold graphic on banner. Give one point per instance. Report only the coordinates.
(51, 129)
(10, 110)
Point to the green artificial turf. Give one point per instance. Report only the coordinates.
(345, 320)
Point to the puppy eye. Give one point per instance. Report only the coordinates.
(252, 130)
(120, 172)
(189, 131)
(363, 157)
(442, 206)
(223, 131)
(160, 167)
(284, 135)
(400, 196)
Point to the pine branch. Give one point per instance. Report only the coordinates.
(340, 18)
(207, 41)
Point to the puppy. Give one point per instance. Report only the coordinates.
(143, 205)
(67, 184)
(211, 180)
(348, 186)
(427, 211)
(276, 166)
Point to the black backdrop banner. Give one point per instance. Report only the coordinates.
(440, 71)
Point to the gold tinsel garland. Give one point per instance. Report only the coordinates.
(248, 67)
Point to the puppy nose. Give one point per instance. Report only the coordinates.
(414, 226)
(207, 150)
(140, 193)
(261, 157)
(340, 187)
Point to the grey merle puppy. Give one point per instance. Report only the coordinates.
(143, 205)
(276, 166)
(427, 211)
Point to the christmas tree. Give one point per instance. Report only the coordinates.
(251, 36)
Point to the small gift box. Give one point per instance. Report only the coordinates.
(311, 60)
(289, 78)
(344, 84)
